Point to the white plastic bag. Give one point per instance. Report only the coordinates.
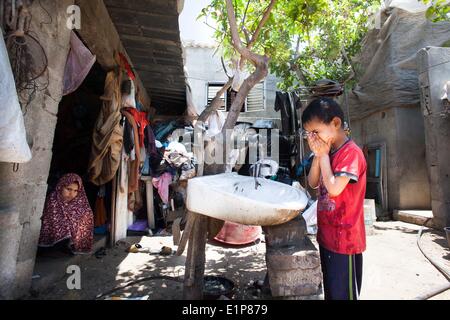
(310, 217)
(239, 77)
(413, 6)
(129, 100)
(216, 122)
(13, 142)
(446, 94)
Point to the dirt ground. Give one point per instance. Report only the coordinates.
(394, 268)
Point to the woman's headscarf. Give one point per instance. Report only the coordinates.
(68, 220)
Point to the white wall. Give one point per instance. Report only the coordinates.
(203, 66)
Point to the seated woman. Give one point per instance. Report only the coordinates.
(68, 216)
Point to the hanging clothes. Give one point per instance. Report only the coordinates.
(288, 103)
(126, 65)
(162, 130)
(152, 153)
(150, 142)
(128, 137)
(282, 104)
(107, 140)
(100, 212)
(141, 121)
(162, 183)
(135, 200)
(128, 94)
(133, 179)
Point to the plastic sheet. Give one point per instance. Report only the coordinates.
(216, 122)
(310, 216)
(13, 142)
(389, 63)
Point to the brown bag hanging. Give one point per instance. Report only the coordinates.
(100, 212)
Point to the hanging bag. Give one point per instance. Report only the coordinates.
(13, 143)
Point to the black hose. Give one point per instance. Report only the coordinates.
(136, 282)
(439, 267)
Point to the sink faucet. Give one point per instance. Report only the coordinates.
(257, 169)
(256, 173)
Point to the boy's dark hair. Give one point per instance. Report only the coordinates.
(323, 109)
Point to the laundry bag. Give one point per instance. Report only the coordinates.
(13, 141)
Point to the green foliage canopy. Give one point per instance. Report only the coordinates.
(439, 10)
(306, 40)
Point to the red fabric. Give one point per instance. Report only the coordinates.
(133, 179)
(141, 121)
(340, 219)
(126, 65)
(72, 220)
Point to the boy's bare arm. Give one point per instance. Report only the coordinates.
(334, 185)
(314, 174)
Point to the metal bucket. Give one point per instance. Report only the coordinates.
(215, 287)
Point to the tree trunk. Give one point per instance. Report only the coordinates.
(195, 262)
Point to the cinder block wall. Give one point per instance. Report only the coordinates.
(402, 130)
(434, 72)
(22, 193)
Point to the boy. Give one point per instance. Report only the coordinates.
(338, 171)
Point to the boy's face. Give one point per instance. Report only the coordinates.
(326, 132)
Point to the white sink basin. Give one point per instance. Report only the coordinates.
(233, 198)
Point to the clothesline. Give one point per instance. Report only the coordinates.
(307, 88)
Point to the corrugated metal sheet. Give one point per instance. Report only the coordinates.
(150, 33)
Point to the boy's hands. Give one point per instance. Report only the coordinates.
(318, 146)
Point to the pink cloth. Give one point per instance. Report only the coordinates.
(162, 184)
(79, 62)
(72, 220)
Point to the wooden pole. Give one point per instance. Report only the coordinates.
(149, 200)
(195, 261)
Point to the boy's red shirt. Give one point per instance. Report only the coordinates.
(340, 219)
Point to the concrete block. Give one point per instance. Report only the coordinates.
(287, 234)
(298, 282)
(441, 220)
(294, 270)
(370, 212)
(413, 216)
(291, 258)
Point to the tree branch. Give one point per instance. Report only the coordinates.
(225, 67)
(245, 51)
(297, 49)
(260, 62)
(261, 24)
(353, 74)
(245, 15)
(247, 35)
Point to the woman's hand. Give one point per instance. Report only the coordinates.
(318, 146)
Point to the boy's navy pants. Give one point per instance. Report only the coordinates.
(342, 275)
